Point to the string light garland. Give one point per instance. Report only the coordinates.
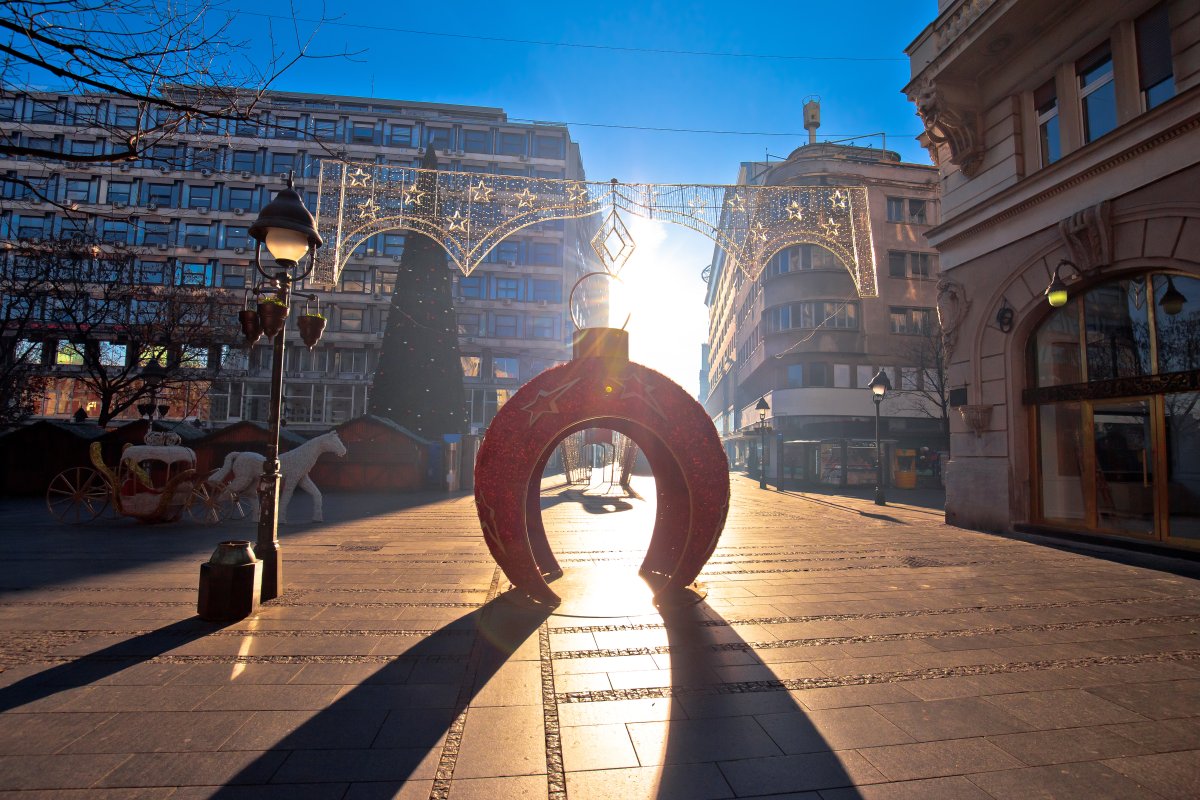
(468, 214)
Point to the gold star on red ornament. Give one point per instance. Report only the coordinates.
(546, 402)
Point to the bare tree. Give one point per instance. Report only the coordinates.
(108, 320)
(925, 388)
(173, 67)
(22, 387)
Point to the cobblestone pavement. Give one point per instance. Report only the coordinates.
(843, 650)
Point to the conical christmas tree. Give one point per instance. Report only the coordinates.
(419, 382)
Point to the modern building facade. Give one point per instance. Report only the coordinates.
(188, 204)
(800, 337)
(1069, 132)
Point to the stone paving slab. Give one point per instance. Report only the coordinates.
(841, 651)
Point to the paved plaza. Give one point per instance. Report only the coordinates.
(843, 650)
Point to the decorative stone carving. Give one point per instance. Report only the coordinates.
(952, 308)
(977, 418)
(1087, 235)
(959, 20)
(954, 125)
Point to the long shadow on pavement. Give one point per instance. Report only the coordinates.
(87, 669)
(383, 730)
(740, 716)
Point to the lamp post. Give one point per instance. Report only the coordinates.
(289, 231)
(762, 408)
(879, 386)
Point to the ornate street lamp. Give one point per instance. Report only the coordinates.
(289, 231)
(1172, 300)
(153, 375)
(762, 408)
(879, 386)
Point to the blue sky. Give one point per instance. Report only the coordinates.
(615, 87)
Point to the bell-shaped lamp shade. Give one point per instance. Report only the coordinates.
(880, 384)
(1173, 300)
(1056, 292)
(762, 408)
(286, 245)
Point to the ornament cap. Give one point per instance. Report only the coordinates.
(611, 344)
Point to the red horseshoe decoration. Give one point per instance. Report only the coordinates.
(601, 388)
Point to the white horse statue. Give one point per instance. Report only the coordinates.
(241, 471)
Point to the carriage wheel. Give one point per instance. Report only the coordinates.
(205, 505)
(237, 506)
(77, 495)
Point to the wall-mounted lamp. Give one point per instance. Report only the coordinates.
(1172, 300)
(1056, 292)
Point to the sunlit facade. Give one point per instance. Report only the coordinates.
(1070, 134)
(188, 204)
(801, 337)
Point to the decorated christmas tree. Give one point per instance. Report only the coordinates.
(419, 381)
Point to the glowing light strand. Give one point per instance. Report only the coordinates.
(469, 213)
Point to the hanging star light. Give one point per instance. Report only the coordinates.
(525, 198)
(481, 193)
(358, 200)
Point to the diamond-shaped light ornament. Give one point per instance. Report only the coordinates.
(613, 243)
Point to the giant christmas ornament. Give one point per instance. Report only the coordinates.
(601, 388)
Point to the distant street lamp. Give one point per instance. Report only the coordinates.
(879, 386)
(762, 408)
(153, 375)
(289, 231)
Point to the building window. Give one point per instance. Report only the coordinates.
(506, 326)
(325, 129)
(546, 254)
(1045, 103)
(471, 288)
(548, 147)
(233, 276)
(470, 324)
(910, 265)
(819, 314)
(353, 361)
(917, 211)
(194, 275)
(506, 289)
(283, 162)
(351, 320)
(400, 135)
(513, 144)
(1097, 93)
(287, 127)
(547, 291)
(78, 190)
(505, 368)
(196, 235)
(477, 141)
(125, 116)
(161, 194)
(237, 236)
(393, 244)
(245, 161)
(240, 198)
(151, 272)
(910, 321)
(362, 132)
(116, 231)
(470, 366)
(438, 138)
(156, 233)
(795, 376)
(200, 197)
(119, 192)
(355, 280)
(895, 209)
(544, 328)
(1155, 75)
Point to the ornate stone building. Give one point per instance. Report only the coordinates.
(1069, 131)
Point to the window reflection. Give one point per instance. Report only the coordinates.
(1178, 334)
(1056, 346)
(1118, 341)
